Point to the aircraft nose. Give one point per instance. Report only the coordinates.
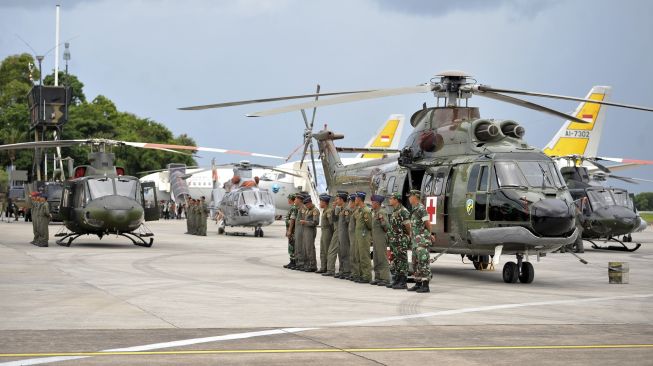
(552, 217)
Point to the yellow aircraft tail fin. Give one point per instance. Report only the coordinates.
(575, 138)
(387, 136)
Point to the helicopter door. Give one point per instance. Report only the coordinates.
(434, 190)
(65, 205)
(150, 204)
(476, 198)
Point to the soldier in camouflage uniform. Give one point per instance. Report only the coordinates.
(290, 230)
(35, 217)
(363, 239)
(299, 232)
(310, 222)
(344, 270)
(44, 221)
(399, 237)
(380, 242)
(419, 220)
(351, 230)
(326, 232)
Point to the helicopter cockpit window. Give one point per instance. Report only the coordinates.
(438, 183)
(473, 177)
(126, 187)
(621, 198)
(536, 174)
(249, 197)
(483, 178)
(100, 187)
(427, 185)
(600, 199)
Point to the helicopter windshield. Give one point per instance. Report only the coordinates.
(126, 187)
(621, 198)
(600, 198)
(536, 174)
(249, 197)
(100, 187)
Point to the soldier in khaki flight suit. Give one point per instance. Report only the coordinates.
(310, 222)
(44, 221)
(203, 215)
(326, 231)
(290, 231)
(35, 217)
(299, 232)
(353, 251)
(380, 225)
(334, 246)
(344, 270)
(363, 234)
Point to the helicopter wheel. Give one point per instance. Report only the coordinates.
(527, 273)
(256, 232)
(221, 230)
(510, 272)
(477, 265)
(260, 233)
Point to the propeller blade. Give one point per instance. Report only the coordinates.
(162, 170)
(146, 145)
(601, 167)
(527, 104)
(264, 100)
(487, 88)
(313, 163)
(317, 95)
(43, 144)
(625, 179)
(301, 163)
(371, 150)
(625, 161)
(380, 93)
(294, 151)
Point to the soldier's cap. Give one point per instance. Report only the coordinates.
(342, 194)
(361, 195)
(299, 195)
(325, 197)
(34, 194)
(378, 198)
(352, 196)
(415, 192)
(291, 196)
(308, 199)
(396, 195)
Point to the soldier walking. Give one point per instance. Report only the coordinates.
(326, 232)
(380, 242)
(399, 239)
(44, 222)
(290, 231)
(344, 269)
(310, 222)
(419, 220)
(353, 249)
(299, 232)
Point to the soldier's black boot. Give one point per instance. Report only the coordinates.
(424, 287)
(392, 282)
(401, 283)
(418, 285)
(320, 271)
(288, 265)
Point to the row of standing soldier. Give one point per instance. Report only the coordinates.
(349, 228)
(196, 214)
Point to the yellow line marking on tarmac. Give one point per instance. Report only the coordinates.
(329, 350)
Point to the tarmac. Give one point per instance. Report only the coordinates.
(227, 300)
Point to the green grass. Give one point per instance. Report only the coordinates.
(647, 216)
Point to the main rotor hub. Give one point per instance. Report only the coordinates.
(454, 86)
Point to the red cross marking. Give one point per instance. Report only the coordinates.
(431, 208)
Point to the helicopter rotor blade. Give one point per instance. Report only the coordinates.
(265, 100)
(294, 151)
(625, 179)
(146, 145)
(373, 94)
(317, 95)
(527, 104)
(313, 163)
(487, 88)
(625, 161)
(306, 144)
(310, 136)
(601, 167)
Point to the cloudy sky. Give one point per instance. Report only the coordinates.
(151, 57)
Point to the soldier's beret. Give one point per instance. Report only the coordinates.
(378, 198)
(342, 194)
(352, 196)
(361, 195)
(396, 195)
(308, 199)
(325, 197)
(291, 196)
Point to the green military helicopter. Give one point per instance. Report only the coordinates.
(100, 199)
(488, 193)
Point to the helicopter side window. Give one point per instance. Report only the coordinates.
(391, 185)
(483, 179)
(438, 183)
(100, 187)
(427, 186)
(509, 175)
(621, 198)
(473, 177)
(65, 198)
(79, 196)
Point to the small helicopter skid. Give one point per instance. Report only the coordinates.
(137, 238)
(622, 248)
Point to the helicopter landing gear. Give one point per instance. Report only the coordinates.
(258, 232)
(481, 263)
(221, 230)
(623, 247)
(521, 271)
(67, 239)
(137, 239)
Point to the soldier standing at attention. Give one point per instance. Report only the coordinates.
(299, 232)
(363, 239)
(290, 230)
(353, 251)
(187, 208)
(334, 245)
(326, 232)
(419, 220)
(344, 269)
(399, 239)
(310, 222)
(35, 217)
(196, 219)
(203, 215)
(380, 242)
(44, 221)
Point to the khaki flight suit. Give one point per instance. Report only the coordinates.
(334, 245)
(363, 242)
(312, 217)
(326, 226)
(380, 225)
(353, 249)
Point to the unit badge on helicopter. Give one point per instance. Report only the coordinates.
(470, 206)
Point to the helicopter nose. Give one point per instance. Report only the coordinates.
(552, 217)
(617, 219)
(114, 212)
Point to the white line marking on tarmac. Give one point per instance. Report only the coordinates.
(226, 337)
